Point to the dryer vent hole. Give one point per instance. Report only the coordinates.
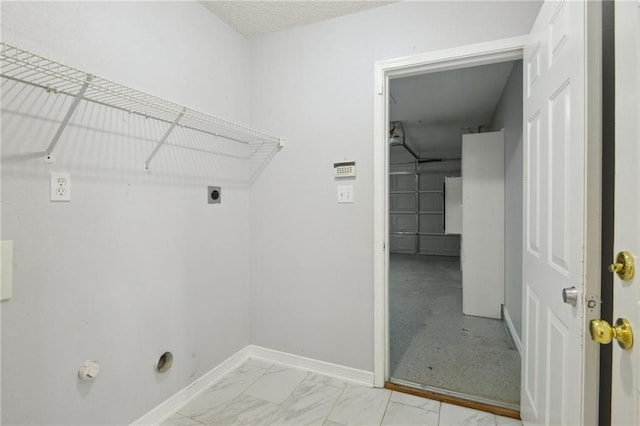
(165, 362)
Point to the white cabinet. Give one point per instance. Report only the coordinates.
(482, 258)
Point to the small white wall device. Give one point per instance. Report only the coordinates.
(344, 169)
(89, 370)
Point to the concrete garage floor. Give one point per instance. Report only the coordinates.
(434, 344)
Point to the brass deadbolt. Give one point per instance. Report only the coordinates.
(603, 333)
(623, 266)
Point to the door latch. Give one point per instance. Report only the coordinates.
(603, 333)
(570, 296)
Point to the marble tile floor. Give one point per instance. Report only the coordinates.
(261, 393)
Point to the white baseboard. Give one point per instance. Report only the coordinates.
(341, 372)
(169, 407)
(512, 329)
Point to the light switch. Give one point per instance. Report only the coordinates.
(6, 270)
(345, 193)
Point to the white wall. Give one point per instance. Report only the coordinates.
(135, 264)
(126, 270)
(508, 116)
(311, 258)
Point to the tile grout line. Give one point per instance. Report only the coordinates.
(225, 406)
(282, 405)
(420, 408)
(386, 407)
(265, 370)
(335, 403)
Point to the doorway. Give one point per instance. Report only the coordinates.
(443, 164)
(561, 103)
(455, 134)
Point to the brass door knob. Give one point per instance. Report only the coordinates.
(603, 333)
(623, 266)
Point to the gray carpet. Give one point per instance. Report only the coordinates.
(434, 344)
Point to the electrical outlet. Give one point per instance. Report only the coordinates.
(60, 187)
(214, 194)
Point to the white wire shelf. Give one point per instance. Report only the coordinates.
(25, 67)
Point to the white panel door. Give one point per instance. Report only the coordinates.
(554, 210)
(626, 364)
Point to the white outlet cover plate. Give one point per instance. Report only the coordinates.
(345, 194)
(60, 187)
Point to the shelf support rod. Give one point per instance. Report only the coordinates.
(67, 117)
(163, 140)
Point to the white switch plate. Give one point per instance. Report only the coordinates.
(6, 270)
(345, 193)
(60, 187)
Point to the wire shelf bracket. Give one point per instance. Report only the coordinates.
(163, 140)
(48, 157)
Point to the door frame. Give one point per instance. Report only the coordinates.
(481, 54)
(496, 51)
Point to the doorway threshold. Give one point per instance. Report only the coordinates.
(455, 398)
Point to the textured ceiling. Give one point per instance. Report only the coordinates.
(437, 109)
(255, 18)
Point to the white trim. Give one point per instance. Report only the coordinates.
(512, 329)
(472, 55)
(169, 407)
(460, 57)
(353, 375)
